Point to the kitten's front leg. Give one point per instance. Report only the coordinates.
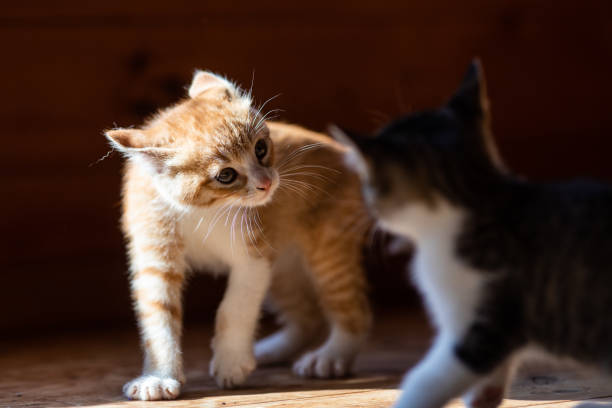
(236, 321)
(439, 377)
(156, 291)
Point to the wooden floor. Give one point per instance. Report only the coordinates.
(90, 369)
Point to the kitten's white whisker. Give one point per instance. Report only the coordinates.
(297, 183)
(218, 215)
(263, 105)
(264, 117)
(250, 93)
(302, 149)
(308, 174)
(314, 166)
(232, 233)
(258, 223)
(299, 186)
(251, 233)
(199, 223)
(293, 189)
(258, 113)
(298, 152)
(307, 185)
(229, 213)
(107, 155)
(244, 210)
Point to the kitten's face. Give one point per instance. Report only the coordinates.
(238, 171)
(212, 149)
(409, 162)
(401, 162)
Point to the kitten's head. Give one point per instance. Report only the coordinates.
(212, 148)
(430, 154)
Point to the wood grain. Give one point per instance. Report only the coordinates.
(89, 370)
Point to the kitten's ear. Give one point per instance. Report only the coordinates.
(355, 144)
(472, 104)
(135, 143)
(347, 137)
(470, 100)
(204, 80)
(126, 139)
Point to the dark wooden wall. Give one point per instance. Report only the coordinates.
(71, 69)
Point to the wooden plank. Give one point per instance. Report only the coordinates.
(89, 369)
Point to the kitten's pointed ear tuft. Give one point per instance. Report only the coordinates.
(470, 100)
(347, 137)
(125, 139)
(355, 144)
(204, 80)
(340, 135)
(472, 104)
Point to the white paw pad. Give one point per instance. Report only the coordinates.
(231, 369)
(152, 388)
(321, 365)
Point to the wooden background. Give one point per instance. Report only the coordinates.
(71, 69)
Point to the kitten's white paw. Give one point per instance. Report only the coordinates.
(277, 348)
(231, 368)
(152, 388)
(323, 364)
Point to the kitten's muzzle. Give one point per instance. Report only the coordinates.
(264, 184)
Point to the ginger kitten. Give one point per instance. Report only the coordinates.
(209, 183)
(504, 264)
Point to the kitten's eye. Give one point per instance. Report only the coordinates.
(227, 175)
(261, 149)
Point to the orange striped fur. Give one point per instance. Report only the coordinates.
(290, 227)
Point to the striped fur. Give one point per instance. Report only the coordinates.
(298, 242)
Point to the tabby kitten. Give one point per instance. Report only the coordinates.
(504, 264)
(209, 183)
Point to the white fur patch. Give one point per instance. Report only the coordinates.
(451, 288)
(216, 238)
(439, 377)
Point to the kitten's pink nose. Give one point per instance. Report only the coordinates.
(264, 184)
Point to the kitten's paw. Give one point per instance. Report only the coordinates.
(230, 368)
(322, 364)
(277, 348)
(152, 388)
(488, 396)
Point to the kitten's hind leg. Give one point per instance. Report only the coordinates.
(439, 377)
(293, 298)
(340, 283)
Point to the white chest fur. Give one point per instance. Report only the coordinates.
(451, 288)
(214, 239)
